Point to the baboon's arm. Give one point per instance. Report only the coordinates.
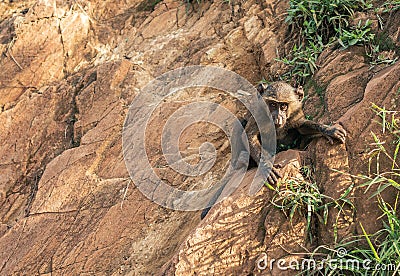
(311, 128)
(255, 150)
(254, 144)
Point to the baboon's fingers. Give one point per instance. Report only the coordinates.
(270, 180)
(342, 132)
(339, 128)
(341, 137)
(337, 135)
(273, 176)
(276, 172)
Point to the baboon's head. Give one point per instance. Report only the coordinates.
(282, 100)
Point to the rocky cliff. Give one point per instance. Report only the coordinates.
(69, 71)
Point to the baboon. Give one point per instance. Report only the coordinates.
(292, 127)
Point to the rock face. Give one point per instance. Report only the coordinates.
(70, 69)
(238, 231)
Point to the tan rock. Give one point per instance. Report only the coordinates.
(70, 69)
(161, 24)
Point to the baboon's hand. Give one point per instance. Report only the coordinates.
(336, 132)
(273, 176)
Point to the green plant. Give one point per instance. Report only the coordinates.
(361, 34)
(320, 24)
(383, 247)
(382, 49)
(323, 18)
(388, 148)
(302, 196)
(380, 257)
(302, 61)
(377, 57)
(384, 42)
(390, 6)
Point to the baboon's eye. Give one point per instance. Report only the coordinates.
(284, 106)
(272, 105)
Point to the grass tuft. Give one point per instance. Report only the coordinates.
(381, 256)
(319, 24)
(302, 196)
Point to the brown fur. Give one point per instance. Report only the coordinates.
(296, 124)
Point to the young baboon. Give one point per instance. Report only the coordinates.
(291, 126)
(284, 102)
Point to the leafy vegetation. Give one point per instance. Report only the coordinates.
(359, 35)
(391, 6)
(319, 24)
(302, 196)
(322, 20)
(381, 256)
(390, 124)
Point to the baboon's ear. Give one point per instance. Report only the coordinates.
(261, 88)
(300, 92)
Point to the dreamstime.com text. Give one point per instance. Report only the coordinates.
(341, 261)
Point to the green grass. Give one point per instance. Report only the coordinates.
(381, 249)
(359, 35)
(388, 148)
(319, 24)
(381, 256)
(390, 6)
(302, 61)
(302, 196)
